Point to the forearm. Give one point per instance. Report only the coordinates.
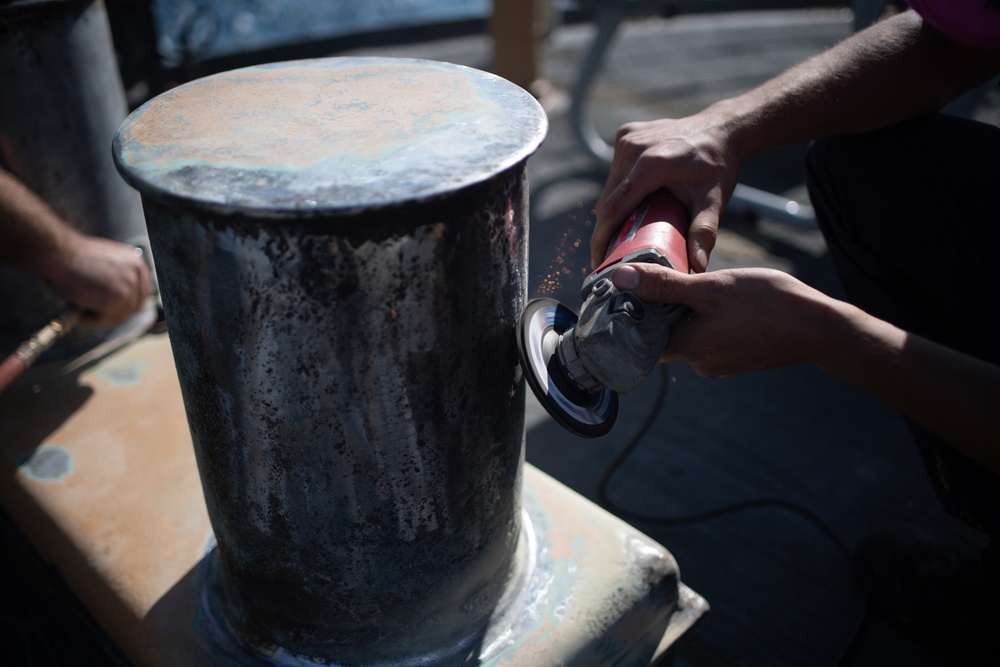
(744, 320)
(951, 394)
(33, 237)
(897, 69)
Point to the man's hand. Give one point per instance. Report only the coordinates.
(897, 69)
(689, 157)
(741, 320)
(750, 319)
(108, 281)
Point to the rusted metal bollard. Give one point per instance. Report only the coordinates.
(62, 101)
(342, 253)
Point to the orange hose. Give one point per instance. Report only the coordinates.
(9, 370)
(31, 349)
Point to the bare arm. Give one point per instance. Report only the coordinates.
(951, 394)
(751, 319)
(107, 280)
(897, 69)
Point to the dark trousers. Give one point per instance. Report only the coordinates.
(911, 215)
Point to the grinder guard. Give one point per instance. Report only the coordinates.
(618, 338)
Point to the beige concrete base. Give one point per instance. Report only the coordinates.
(98, 471)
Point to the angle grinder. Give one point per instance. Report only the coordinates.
(577, 366)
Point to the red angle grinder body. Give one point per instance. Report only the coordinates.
(577, 366)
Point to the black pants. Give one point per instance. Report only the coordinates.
(911, 215)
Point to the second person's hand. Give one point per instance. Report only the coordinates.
(107, 280)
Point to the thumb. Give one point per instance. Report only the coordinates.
(652, 282)
(702, 235)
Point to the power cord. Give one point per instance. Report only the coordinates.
(753, 503)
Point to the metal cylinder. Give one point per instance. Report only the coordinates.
(342, 253)
(63, 100)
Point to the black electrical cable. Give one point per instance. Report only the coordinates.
(779, 503)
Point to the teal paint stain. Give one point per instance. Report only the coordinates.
(127, 373)
(48, 463)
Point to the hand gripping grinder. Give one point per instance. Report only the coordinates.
(577, 366)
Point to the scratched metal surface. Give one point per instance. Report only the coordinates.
(328, 135)
(357, 409)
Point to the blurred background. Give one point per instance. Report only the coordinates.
(759, 485)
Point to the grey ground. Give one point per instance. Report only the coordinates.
(781, 591)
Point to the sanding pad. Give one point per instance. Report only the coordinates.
(587, 414)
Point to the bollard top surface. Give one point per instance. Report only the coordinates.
(332, 135)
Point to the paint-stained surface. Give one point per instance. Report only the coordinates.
(128, 530)
(100, 476)
(357, 410)
(124, 374)
(342, 253)
(46, 464)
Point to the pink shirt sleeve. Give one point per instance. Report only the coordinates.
(975, 22)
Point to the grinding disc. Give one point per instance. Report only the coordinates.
(590, 415)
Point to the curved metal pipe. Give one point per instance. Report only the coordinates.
(744, 199)
(588, 136)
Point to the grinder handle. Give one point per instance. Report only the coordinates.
(656, 231)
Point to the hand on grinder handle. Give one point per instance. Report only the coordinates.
(693, 157)
(740, 320)
(619, 338)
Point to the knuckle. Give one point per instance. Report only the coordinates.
(626, 129)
